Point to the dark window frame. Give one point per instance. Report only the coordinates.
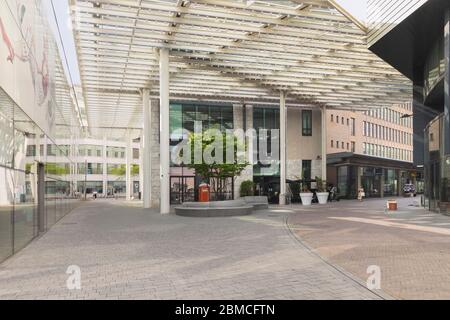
(307, 123)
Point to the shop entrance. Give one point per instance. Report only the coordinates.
(371, 182)
(268, 186)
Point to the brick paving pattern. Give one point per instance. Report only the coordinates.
(411, 246)
(125, 252)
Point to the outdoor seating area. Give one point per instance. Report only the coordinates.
(230, 208)
(258, 202)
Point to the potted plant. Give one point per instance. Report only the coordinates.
(322, 193)
(306, 195)
(247, 189)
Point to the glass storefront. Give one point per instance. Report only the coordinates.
(347, 182)
(390, 183)
(371, 181)
(268, 119)
(266, 176)
(377, 182)
(184, 182)
(437, 167)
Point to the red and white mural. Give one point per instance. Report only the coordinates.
(28, 56)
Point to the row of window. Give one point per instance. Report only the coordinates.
(349, 146)
(376, 131)
(392, 116)
(92, 168)
(351, 122)
(83, 151)
(387, 152)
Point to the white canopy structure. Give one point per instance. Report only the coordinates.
(229, 51)
(285, 53)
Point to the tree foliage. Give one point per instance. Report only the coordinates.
(215, 172)
(247, 188)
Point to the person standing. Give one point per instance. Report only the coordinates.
(361, 194)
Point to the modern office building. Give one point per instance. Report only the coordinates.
(403, 34)
(372, 150)
(101, 166)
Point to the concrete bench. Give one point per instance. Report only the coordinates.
(258, 202)
(214, 209)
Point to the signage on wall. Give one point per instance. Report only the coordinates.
(28, 60)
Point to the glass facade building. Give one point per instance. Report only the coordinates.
(419, 47)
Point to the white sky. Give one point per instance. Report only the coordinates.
(355, 7)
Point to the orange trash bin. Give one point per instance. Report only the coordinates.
(203, 193)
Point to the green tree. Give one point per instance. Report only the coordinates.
(56, 169)
(216, 172)
(121, 170)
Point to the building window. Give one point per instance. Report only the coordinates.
(337, 144)
(343, 145)
(135, 153)
(364, 129)
(342, 120)
(332, 143)
(307, 123)
(348, 146)
(306, 170)
(353, 126)
(115, 152)
(353, 147)
(31, 151)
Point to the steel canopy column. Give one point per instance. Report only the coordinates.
(129, 153)
(282, 148)
(105, 167)
(164, 130)
(146, 151)
(324, 143)
(141, 166)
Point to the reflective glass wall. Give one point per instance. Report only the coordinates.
(23, 146)
(437, 167)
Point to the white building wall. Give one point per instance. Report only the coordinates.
(301, 147)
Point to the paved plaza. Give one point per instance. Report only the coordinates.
(125, 252)
(411, 246)
(291, 252)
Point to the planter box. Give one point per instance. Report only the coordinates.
(322, 197)
(306, 198)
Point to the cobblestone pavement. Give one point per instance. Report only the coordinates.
(125, 252)
(411, 246)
